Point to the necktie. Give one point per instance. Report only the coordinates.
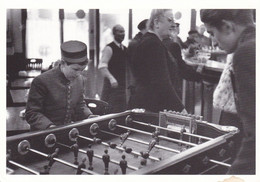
(122, 47)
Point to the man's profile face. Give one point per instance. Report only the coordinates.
(119, 34)
(224, 36)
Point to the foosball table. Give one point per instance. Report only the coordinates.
(131, 142)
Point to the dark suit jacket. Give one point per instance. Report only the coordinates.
(186, 72)
(244, 88)
(154, 85)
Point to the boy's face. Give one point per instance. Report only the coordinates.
(225, 36)
(72, 71)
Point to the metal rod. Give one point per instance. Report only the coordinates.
(160, 136)
(220, 163)
(172, 130)
(113, 161)
(62, 161)
(146, 143)
(132, 129)
(212, 167)
(176, 140)
(24, 167)
(138, 153)
(106, 144)
(61, 144)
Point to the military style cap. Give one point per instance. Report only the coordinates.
(142, 24)
(74, 52)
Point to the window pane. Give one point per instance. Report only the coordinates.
(76, 25)
(138, 16)
(43, 35)
(109, 18)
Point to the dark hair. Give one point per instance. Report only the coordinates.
(214, 17)
(142, 24)
(193, 32)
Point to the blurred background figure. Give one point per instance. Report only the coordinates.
(184, 71)
(193, 42)
(113, 68)
(176, 38)
(130, 81)
(204, 40)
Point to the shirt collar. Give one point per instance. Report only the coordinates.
(118, 44)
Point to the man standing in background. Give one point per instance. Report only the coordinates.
(113, 68)
(130, 81)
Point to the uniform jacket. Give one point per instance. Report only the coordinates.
(55, 100)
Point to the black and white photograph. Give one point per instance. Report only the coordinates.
(118, 88)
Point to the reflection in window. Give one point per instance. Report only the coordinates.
(43, 35)
(76, 25)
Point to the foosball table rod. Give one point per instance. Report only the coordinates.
(145, 143)
(112, 124)
(129, 119)
(219, 163)
(112, 161)
(24, 147)
(95, 155)
(9, 170)
(212, 167)
(51, 139)
(120, 148)
(23, 167)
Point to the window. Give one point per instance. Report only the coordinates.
(43, 35)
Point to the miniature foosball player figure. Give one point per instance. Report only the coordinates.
(156, 136)
(90, 154)
(124, 136)
(106, 160)
(123, 164)
(181, 134)
(51, 160)
(82, 165)
(75, 149)
(46, 170)
(143, 162)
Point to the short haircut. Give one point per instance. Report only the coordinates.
(116, 28)
(156, 14)
(214, 17)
